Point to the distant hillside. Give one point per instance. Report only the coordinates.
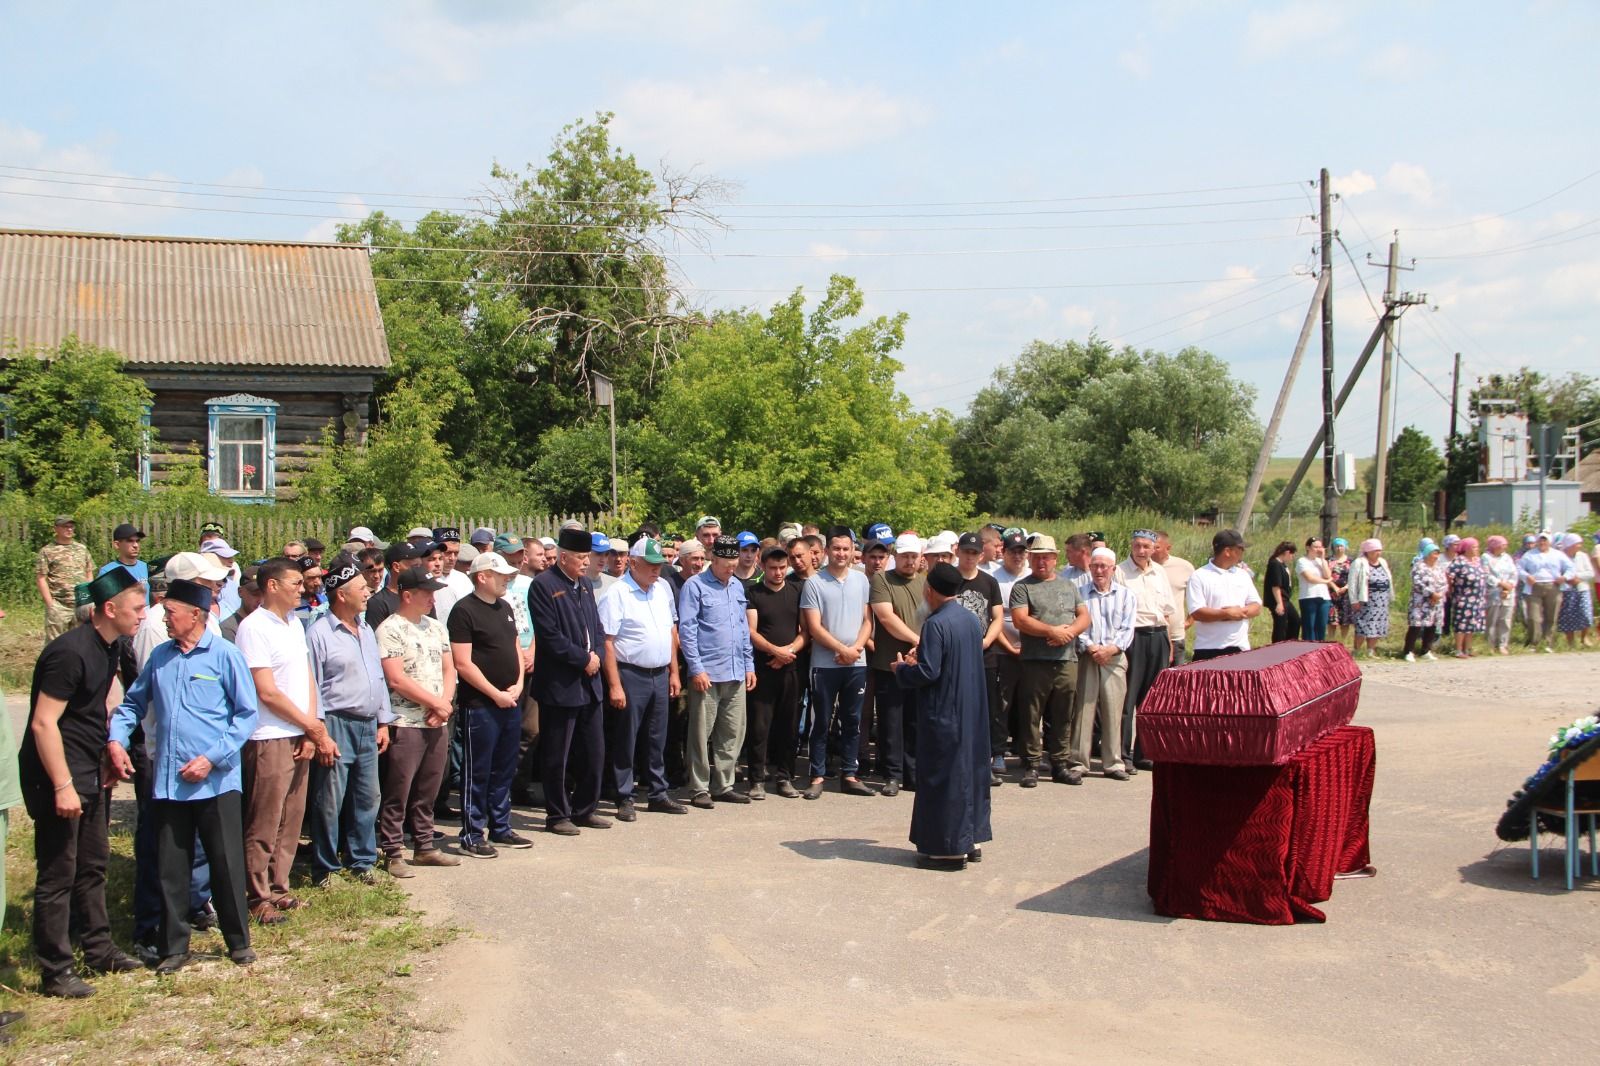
(1283, 465)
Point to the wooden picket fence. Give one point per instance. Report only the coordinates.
(257, 536)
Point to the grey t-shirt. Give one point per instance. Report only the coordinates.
(842, 603)
(1055, 603)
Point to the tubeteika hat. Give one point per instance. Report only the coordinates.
(193, 593)
(574, 540)
(725, 547)
(109, 584)
(81, 594)
(211, 527)
(444, 533)
(309, 568)
(343, 571)
(945, 579)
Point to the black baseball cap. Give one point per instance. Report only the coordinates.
(127, 531)
(401, 551)
(969, 542)
(1013, 542)
(418, 579)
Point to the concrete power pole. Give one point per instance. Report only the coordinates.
(1330, 512)
(1380, 480)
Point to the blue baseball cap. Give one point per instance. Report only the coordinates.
(748, 539)
(880, 532)
(599, 542)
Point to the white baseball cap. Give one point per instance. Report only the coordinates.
(363, 533)
(491, 561)
(220, 548)
(420, 531)
(908, 542)
(187, 566)
(943, 543)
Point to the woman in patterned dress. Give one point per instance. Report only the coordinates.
(1468, 600)
(1371, 590)
(1341, 619)
(1577, 599)
(1426, 614)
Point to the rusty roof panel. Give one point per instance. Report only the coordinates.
(192, 301)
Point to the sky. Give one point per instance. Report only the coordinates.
(1001, 173)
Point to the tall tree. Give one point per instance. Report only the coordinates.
(1415, 471)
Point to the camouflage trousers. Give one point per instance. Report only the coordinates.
(57, 620)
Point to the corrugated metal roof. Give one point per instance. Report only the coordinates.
(193, 301)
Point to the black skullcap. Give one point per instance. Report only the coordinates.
(193, 593)
(575, 540)
(341, 571)
(945, 579)
(725, 547)
(109, 584)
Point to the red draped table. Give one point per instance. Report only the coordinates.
(1261, 844)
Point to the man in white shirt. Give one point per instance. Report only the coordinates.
(288, 734)
(1222, 599)
(1179, 571)
(456, 582)
(1151, 649)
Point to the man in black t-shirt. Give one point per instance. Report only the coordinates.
(980, 594)
(487, 655)
(774, 704)
(59, 767)
(399, 556)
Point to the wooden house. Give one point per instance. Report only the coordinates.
(251, 348)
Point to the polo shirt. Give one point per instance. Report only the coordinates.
(841, 602)
(204, 702)
(348, 670)
(1212, 586)
(277, 644)
(638, 622)
(1152, 593)
(139, 570)
(76, 668)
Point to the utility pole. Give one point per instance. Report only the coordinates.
(1330, 513)
(1380, 480)
(1455, 398)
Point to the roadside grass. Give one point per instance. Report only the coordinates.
(326, 989)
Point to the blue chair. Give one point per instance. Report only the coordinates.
(1588, 770)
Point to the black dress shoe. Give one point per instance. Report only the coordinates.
(561, 828)
(730, 796)
(204, 919)
(891, 788)
(929, 862)
(786, 789)
(594, 821)
(172, 963)
(242, 957)
(116, 962)
(663, 806)
(1030, 777)
(69, 987)
(1144, 764)
(853, 787)
(626, 813)
(976, 854)
(702, 800)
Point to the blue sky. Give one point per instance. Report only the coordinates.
(1038, 129)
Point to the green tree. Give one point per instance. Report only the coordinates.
(793, 416)
(1414, 471)
(77, 423)
(1073, 428)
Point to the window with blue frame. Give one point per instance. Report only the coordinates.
(241, 454)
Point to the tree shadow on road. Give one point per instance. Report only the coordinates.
(856, 849)
(1115, 890)
(1508, 869)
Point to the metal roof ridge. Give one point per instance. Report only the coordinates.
(25, 232)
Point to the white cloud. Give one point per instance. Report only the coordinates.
(1411, 180)
(1270, 33)
(1354, 183)
(757, 116)
(327, 230)
(43, 201)
(1078, 319)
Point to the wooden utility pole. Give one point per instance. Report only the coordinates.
(1455, 399)
(1270, 441)
(1330, 512)
(1380, 480)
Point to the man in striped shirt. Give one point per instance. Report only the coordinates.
(1102, 669)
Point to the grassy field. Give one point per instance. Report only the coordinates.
(325, 989)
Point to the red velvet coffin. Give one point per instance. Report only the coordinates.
(1256, 708)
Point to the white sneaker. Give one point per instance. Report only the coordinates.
(1411, 657)
(1428, 655)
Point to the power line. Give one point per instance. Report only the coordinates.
(1537, 244)
(1503, 214)
(1213, 303)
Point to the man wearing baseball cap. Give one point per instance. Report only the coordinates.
(896, 596)
(184, 566)
(715, 633)
(748, 569)
(59, 566)
(125, 541)
(1013, 567)
(397, 557)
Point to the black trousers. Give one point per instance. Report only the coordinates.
(1009, 705)
(72, 854)
(772, 723)
(1200, 655)
(1286, 626)
(997, 710)
(1148, 655)
(897, 728)
(219, 824)
(572, 743)
(1419, 638)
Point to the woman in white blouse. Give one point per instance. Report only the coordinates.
(1315, 579)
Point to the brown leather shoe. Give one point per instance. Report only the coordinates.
(434, 857)
(267, 914)
(398, 867)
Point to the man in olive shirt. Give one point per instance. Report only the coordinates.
(60, 565)
(1050, 615)
(895, 600)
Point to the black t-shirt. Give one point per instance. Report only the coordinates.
(1277, 578)
(381, 605)
(980, 594)
(777, 612)
(77, 667)
(491, 629)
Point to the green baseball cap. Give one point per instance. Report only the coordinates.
(506, 544)
(648, 549)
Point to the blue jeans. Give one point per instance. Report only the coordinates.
(344, 798)
(1314, 619)
(488, 765)
(840, 689)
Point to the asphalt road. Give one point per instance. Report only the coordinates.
(795, 931)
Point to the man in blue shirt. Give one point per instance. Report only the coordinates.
(714, 631)
(1102, 671)
(125, 539)
(353, 701)
(1545, 572)
(200, 692)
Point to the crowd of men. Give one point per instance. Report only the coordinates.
(348, 697)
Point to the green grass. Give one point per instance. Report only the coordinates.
(325, 990)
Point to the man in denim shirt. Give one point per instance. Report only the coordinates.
(715, 635)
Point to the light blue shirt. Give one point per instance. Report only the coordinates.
(348, 670)
(517, 594)
(1543, 567)
(139, 570)
(1111, 614)
(639, 623)
(841, 603)
(204, 701)
(713, 628)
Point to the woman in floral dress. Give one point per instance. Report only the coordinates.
(1341, 619)
(1577, 599)
(1468, 600)
(1371, 590)
(1429, 583)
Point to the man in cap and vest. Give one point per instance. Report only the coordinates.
(60, 565)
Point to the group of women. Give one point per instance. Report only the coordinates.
(1455, 591)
